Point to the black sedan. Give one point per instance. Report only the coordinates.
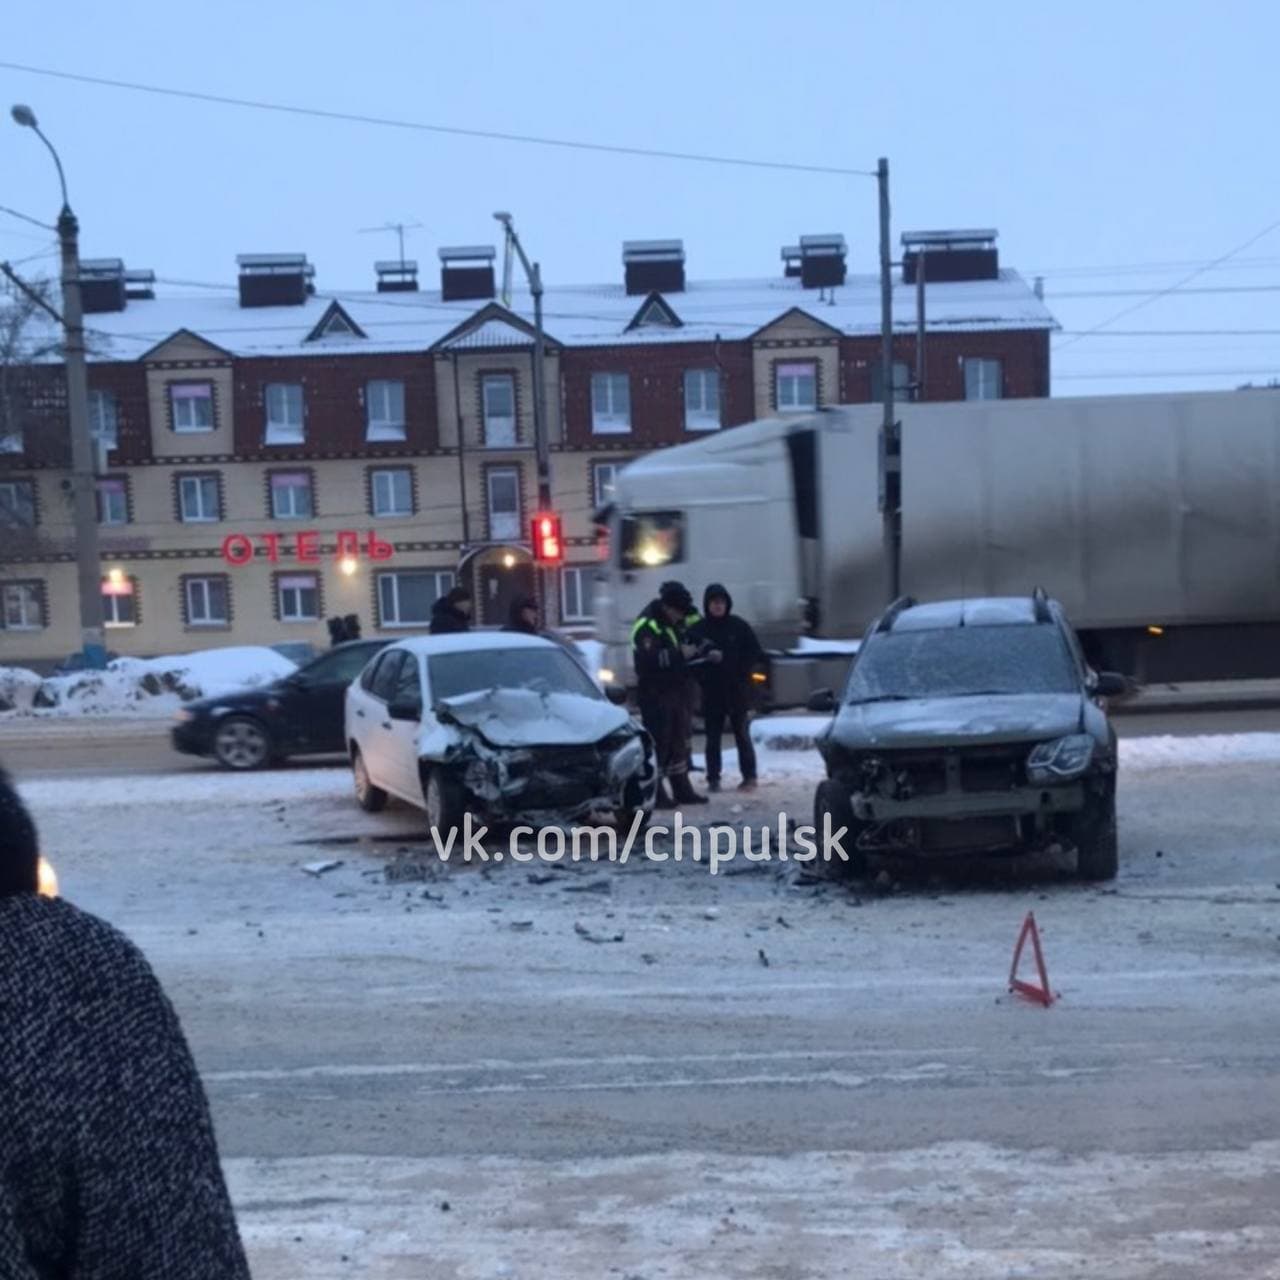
(300, 714)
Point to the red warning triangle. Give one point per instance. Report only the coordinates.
(1040, 994)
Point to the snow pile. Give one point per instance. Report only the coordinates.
(18, 688)
(813, 645)
(788, 733)
(147, 686)
(1200, 752)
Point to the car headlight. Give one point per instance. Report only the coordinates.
(184, 715)
(627, 760)
(1061, 760)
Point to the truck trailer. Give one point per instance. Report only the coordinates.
(1154, 519)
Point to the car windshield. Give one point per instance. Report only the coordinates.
(962, 662)
(471, 670)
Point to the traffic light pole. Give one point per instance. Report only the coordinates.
(890, 437)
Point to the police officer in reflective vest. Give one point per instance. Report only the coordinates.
(662, 653)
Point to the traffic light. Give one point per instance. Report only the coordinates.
(548, 545)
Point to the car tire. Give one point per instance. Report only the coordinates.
(1096, 838)
(242, 743)
(832, 799)
(370, 798)
(443, 800)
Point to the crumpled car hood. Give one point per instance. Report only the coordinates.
(954, 721)
(526, 718)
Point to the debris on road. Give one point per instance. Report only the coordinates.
(588, 935)
(319, 868)
(764, 959)
(648, 957)
(590, 886)
(521, 926)
(782, 921)
(711, 913)
(406, 867)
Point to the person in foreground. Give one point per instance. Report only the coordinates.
(108, 1163)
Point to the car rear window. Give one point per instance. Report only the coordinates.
(963, 661)
(546, 670)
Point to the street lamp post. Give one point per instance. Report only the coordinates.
(83, 490)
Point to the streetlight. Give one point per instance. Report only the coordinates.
(88, 560)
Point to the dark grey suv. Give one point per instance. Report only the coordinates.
(972, 726)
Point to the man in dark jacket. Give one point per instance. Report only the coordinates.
(451, 612)
(108, 1164)
(726, 685)
(663, 653)
(523, 616)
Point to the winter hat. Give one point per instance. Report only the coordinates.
(675, 595)
(457, 594)
(19, 846)
(716, 591)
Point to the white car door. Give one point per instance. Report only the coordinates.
(370, 721)
(402, 729)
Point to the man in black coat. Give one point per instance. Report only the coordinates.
(451, 612)
(726, 685)
(108, 1164)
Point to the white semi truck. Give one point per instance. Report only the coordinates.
(1154, 519)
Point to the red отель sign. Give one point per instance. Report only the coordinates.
(239, 549)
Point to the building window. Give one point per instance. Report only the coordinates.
(503, 490)
(298, 597)
(207, 601)
(610, 403)
(575, 593)
(902, 381)
(22, 606)
(104, 418)
(701, 399)
(284, 413)
(17, 504)
(498, 405)
(113, 501)
(384, 407)
(199, 500)
(392, 490)
(119, 602)
(191, 406)
(405, 598)
(797, 387)
(603, 476)
(983, 379)
(291, 495)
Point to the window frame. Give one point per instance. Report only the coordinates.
(387, 623)
(19, 486)
(109, 598)
(273, 432)
(205, 581)
(584, 577)
(598, 499)
(379, 430)
(118, 485)
(504, 472)
(702, 420)
(787, 369)
(182, 391)
(99, 397)
(33, 590)
(983, 365)
(374, 474)
(275, 484)
(202, 477)
(610, 422)
(902, 388)
(286, 582)
(491, 378)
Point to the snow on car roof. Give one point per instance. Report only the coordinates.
(994, 611)
(472, 642)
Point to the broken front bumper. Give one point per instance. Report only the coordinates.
(1018, 803)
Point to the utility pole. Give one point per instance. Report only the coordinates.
(83, 477)
(890, 439)
(920, 264)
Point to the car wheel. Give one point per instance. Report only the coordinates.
(240, 742)
(442, 797)
(370, 798)
(1097, 839)
(831, 801)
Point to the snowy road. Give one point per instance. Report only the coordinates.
(870, 1102)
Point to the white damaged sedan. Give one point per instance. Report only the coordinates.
(504, 726)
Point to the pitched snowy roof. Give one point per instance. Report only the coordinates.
(574, 316)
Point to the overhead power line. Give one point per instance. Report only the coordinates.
(26, 217)
(386, 122)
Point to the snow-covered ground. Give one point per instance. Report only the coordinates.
(141, 686)
(762, 1076)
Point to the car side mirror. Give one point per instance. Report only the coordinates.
(1110, 684)
(822, 700)
(406, 709)
(616, 694)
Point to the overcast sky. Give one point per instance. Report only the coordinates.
(1098, 138)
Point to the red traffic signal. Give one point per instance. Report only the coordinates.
(548, 545)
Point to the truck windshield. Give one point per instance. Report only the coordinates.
(470, 671)
(963, 662)
(651, 539)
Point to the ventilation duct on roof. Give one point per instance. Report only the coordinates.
(791, 261)
(139, 285)
(466, 273)
(950, 256)
(102, 286)
(653, 266)
(397, 276)
(274, 279)
(822, 261)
